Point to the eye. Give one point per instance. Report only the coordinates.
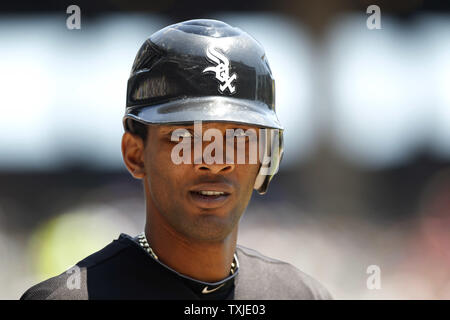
(180, 133)
(239, 133)
(235, 133)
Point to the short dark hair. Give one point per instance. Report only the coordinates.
(137, 128)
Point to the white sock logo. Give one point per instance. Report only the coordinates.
(222, 70)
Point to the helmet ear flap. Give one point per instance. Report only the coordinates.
(271, 152)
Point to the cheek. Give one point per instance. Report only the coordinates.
(247, 176)
(164, 177)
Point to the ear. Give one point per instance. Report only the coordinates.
(133, 154)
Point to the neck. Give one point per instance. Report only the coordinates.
(208, 261)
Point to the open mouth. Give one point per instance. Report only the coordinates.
(209, 198)
(209, 195)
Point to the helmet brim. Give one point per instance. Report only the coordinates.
(211, 109)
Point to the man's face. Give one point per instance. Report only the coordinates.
(202, 201)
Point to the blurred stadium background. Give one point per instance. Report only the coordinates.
(365, 178)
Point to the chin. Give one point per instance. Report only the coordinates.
(213, 226)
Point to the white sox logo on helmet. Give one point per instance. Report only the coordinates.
(222, 70)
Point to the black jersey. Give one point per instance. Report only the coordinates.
(124, 270)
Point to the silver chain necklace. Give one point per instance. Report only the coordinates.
(144, 244)
(142, 239)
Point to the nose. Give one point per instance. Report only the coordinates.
(213, 162)
(214, 168)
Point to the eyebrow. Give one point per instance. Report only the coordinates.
(165, 129)
(169, 129)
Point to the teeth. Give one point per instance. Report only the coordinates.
(211, 193)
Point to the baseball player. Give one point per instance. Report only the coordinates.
(196, 90)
